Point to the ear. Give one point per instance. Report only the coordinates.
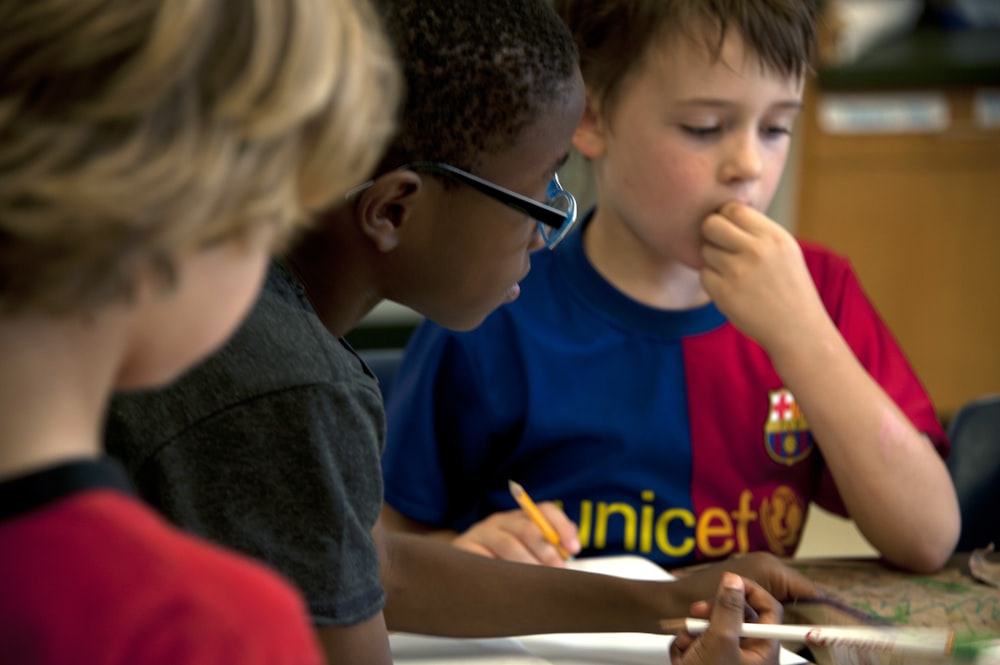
(588, 138)
(385, 207)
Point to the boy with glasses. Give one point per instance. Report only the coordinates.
(273, 445)
(682, 377)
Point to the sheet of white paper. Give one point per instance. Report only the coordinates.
(600, 648)
(424, 650)
(555, 649)
(613, 649)
(621, 648)
(622, 565)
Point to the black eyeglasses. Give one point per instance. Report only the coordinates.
(556, 217)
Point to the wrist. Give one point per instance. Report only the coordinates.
(669, 600)
(807, 349)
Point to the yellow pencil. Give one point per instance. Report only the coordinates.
(529, 507)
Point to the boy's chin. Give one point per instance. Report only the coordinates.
(512, 293)
(465, 318)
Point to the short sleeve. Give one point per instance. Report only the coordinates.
(271, 447)
(283, 491)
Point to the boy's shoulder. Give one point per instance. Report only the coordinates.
(130, 571)
(834, 276)
(814, 252)
(824, 264)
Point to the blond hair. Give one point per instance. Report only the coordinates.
(132, 130)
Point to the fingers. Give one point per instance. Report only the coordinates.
(701, 609)
(679, 647)
(737, 228)
(768, 609)
(778, 579)
(569, 535)
(735, 242)
(727, 611)
(732, 226)
(795, 585)
(721, 235)
(721, 641)
(727, 619)
(743, 216)
(470, 545)
(512, 536)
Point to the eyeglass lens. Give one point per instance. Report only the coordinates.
(558, 198)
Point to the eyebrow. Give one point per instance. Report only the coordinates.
(795, 104)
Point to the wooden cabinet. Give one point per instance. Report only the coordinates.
(918, 215)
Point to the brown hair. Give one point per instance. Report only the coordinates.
(614, 36)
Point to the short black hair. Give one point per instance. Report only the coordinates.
(477, 72)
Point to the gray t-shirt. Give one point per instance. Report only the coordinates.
(271, 447)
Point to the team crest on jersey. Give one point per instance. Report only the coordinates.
(782, 516)
(786, 433)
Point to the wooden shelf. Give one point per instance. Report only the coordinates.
(918, 215)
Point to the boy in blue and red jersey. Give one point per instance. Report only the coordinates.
(681, 378)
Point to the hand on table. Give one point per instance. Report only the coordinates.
(776, 578)
(721, 643)
(756, 275)
(512, 536)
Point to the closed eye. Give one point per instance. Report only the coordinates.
(777, 131)
(701, 132)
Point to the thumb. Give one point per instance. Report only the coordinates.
(728, 610)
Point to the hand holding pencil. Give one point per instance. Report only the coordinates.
(720, 641)
(726, 628)
(535, 515)
(513, 535)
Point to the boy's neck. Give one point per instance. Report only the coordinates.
(54, 387)
(336, 277)
(631, 268)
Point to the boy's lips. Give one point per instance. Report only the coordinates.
(515, 290)
(718, 208)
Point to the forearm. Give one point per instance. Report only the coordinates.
(366, 643)
(892, 480)
(439, 590)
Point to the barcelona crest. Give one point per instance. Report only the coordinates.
(786, 433)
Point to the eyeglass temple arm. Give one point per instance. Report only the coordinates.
(552, 217)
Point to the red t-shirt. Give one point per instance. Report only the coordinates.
(92, 576)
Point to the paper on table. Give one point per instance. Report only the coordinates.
(622, 648)
(424, 650)
(619, 648)
(621, 565)
(556, 648)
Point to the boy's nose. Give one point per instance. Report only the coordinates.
(743, 160)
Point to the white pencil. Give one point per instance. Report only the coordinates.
(925, 641)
